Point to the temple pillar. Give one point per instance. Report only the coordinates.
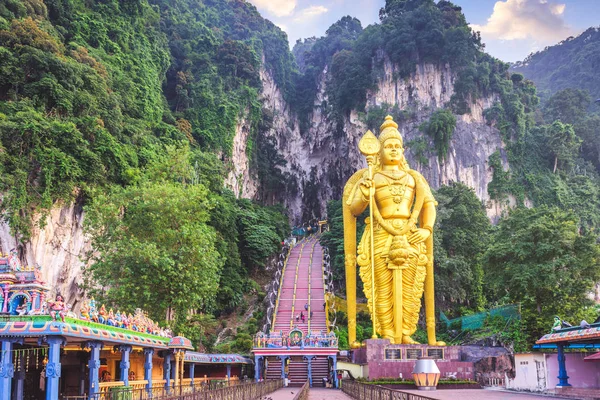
(167, 369)
(53, 368)
(563, 379)
(309, 359)
(283, 360)
(94, 365)
(334, 370)
(228, 371)
(125, 350)
(257, 360)
(148, 353)
(177, 367)
(192, 371)
(5, 304)
(20, 376)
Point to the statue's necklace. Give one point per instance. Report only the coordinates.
(397, 187)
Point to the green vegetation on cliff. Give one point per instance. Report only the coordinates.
(130, 108)
(573, 63)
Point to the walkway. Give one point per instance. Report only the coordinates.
(314, 394)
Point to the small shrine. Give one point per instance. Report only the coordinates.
(23, 291)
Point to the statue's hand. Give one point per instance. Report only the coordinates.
(418, 236)
(365, 186)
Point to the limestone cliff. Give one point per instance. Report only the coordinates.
(320, 160)
(59, 246)
(323, 157)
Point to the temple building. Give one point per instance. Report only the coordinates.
(49, 352)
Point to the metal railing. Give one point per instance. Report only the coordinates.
(209, 391)
(303, 393)
(363, 391)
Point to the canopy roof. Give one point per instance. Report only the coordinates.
(589, 335)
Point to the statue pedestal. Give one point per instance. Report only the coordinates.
(387, 360)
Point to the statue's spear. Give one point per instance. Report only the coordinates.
(369, 146)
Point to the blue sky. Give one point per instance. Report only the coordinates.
(511, 29)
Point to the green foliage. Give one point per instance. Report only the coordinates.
(573, 63)
(541, 258)
(440, 128)
(461, 237)
(152, 243)
(409, 31)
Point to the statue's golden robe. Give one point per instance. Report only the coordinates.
(413, 257)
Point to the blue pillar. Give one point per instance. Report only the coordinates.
(192, 371)
(335, 375)
(563, 379)
(257, 360)
(148, 353)
(309, 359)
(20, 375)
(283, 360)
(125, 350)
(94, 365)
(7, 369)
(53, 366)
(167, 369)
(228, 371)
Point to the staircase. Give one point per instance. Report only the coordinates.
(273, 369)
(320, 370)
(298, 373)
(302, 284)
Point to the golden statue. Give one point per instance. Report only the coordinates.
(395, 253)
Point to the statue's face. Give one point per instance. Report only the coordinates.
(392, 152)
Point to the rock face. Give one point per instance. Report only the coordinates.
(323, 158)
(59, 247)
(320, 161)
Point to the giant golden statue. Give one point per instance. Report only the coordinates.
(395, 253)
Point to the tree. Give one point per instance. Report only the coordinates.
(440, 128)
(461, 236)
(540, 258)
(568, 106)
(152, 243)
(561, 142)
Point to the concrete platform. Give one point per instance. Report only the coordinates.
(477, 394)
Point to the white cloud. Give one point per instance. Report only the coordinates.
(310, 12)
(279, 8)
(539, 20)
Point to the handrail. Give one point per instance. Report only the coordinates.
(363, 391)
(279, 288)
(303, 393)
(295, 285)
(250, 390)
(309, 286)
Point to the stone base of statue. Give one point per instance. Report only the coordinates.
(386, 360)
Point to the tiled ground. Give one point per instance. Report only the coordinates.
(475, 394)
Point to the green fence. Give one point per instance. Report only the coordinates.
(475, 321)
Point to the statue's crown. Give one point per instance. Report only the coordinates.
(389, 130)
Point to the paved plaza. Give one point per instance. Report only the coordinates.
(476, 394)
(462, 394)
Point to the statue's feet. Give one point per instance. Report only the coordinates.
(409, 340)
(438, 343)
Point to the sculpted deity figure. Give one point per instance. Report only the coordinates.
(403, 215)
(58, 308)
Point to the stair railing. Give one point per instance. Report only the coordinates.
(277, 283)
(295, 285)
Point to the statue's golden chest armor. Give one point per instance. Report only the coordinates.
(394, 194)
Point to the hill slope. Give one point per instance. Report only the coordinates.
(573, 63)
